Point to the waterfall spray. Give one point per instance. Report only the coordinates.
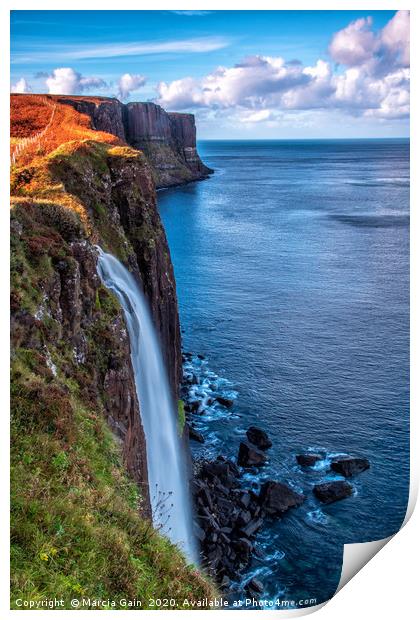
(169, 495)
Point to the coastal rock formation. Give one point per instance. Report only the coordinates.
(194, 434)
(70, 293)
(122, 203)
(249, 456)
(227, 519)
(106, 114)
(259, 438)
(229, 516)
(167, 139)
(329, 492)
(350, 466)
(276, 498)
(308, 459)
(77, 430)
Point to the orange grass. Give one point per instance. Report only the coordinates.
(29, 114)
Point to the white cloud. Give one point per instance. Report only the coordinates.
(395, 37)
(114, 50)
(256, 117)
(67, 81)
(373, 81)
(21, 86)
(251, 83)
(354, 44)
(128, 83)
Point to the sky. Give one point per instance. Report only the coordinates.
(244, 74)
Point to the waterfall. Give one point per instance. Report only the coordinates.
(169, 495)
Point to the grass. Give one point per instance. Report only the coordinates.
(77, 518)
(30, 114)
(181, 417)
(76, 529)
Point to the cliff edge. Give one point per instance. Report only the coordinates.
(80, 524)
(168, 139)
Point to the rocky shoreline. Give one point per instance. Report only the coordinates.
(228, 515)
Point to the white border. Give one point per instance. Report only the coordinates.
(375, 596)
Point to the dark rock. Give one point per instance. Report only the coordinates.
(244, 499)
(196, 486)
(244, 517)
(201, 356)
(215, 556)
(233, 468)
(251, 528)
(329, 492)
(308, 459)
(195, 434)
(225, 402)
(222, 490)
(350, 466)
(243, 548)
(199, 532)
(206, 498)
(276, 498)
(225, 505)
(254, 585)
(226, 530)
(226, 471)
(225, 583)
(194, 406)
(258, 437)
(249, 456)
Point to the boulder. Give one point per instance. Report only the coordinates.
(225, 402)
(243, 548)
(350, 466)
(276, 498)
(249, 456)
(308, 459)
(225, 583)
(258, 437)
(199, 532)
(251, 528)
(195, 434)
(329, 492)
(254, 586)
(244, 517)
(194, 406)
(225, 470)
(245, 499)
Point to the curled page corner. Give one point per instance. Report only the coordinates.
(357, 555)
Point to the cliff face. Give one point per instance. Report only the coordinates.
(110, 191)
(167, 139)
(73, 327)
(121, 201)
(78, 520)
(106, 114)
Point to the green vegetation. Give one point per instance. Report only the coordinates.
(76, 517)
(76, 529)
(181, 417)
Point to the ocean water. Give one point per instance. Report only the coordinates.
(292, 273)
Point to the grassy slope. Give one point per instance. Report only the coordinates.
(76, 525)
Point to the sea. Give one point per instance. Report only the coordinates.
(292, 273)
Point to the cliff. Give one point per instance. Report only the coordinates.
(167, 139)
(79, 524)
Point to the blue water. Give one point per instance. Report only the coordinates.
(291, 264)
